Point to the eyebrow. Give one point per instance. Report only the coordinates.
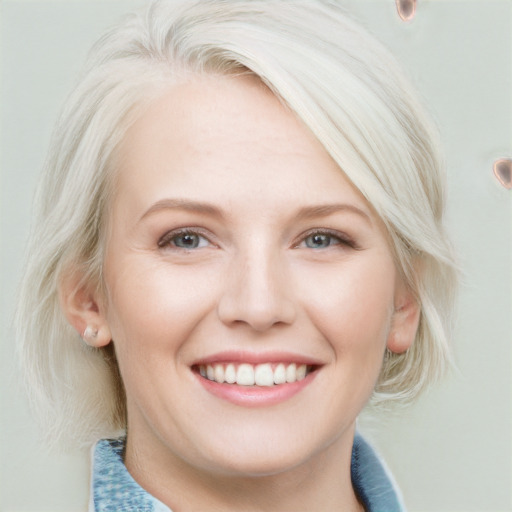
(305, 212)
(328, 209)
(183, 204)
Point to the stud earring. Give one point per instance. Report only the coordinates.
(90, 334)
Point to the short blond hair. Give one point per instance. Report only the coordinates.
(337, 79)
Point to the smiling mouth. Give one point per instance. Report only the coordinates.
(245, 374)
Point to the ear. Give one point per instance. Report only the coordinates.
(405, 320)
(84, 308)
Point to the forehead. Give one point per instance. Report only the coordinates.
(218, 138)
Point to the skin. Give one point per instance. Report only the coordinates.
(258, 281)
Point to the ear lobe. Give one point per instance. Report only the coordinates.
(84, 310)
(405, 321)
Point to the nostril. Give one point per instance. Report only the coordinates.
(259, 315)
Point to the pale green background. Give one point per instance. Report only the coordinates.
(452, 451)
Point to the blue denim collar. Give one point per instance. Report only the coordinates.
(372, 481)
(114, 489)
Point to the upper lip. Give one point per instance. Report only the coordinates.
(233, 356)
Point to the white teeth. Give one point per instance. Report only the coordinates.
(291, 373)
(280, 374)
(230, 374)
(249, 375)
(218, 371)
(263, 375)
(301, 372)
(245, 375)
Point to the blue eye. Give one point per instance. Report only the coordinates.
(183, 240)
(321, 240)
(187, 241)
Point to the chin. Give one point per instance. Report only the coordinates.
(258, 465)
(264, 454)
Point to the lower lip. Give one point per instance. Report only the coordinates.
(256, 396)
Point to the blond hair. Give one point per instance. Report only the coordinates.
(337, 79)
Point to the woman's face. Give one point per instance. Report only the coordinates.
(239, 250)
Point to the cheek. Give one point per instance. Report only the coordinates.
(154, 306)
(152, 313)
(353, 306)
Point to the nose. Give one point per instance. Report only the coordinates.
(256, 293)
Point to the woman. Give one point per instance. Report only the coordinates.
(241, 215)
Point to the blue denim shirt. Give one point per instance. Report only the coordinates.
(114, 490)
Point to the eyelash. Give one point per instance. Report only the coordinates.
(166, 240)
(340, 238)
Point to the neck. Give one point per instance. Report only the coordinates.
(321, 483)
